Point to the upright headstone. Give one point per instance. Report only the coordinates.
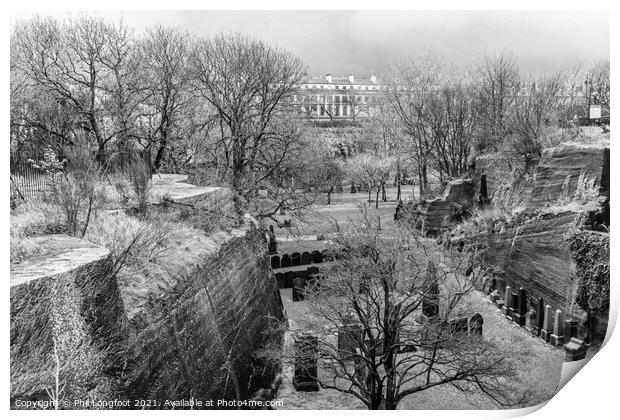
(272, 246)
(288, 280)
(459, 326)
(285, 261)
(353, 189)
(316, 257)
(430, 301)
(530, 322)
(349, 338)
(507, 309)
(515, 305)
(306, 356)
(576, 349)
(547, 329)
(361, 370)
(275, 261)
(521, 308)
(557, 338)
(281, 279)
(295, 258)
(305, 258)
(570, 329)
(540, 317)
(475, 325)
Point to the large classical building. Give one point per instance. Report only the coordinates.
(338, 98)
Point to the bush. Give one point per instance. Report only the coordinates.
(140, 177)
(78, 190)
(32, 219)
(590, 251)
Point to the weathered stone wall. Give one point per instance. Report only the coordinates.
(534, 256)
(560, 167)
(69, 304)
(197, 337)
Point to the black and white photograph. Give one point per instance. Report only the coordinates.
(306, 209)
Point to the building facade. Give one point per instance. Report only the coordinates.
(338, 98)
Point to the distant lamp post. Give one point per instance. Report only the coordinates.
(588, 92)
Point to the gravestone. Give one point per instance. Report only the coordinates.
(500, 303)
(540, 317)
(349, 338)
(430, 301)
(281, 279)
(360, 368)
(515, 306)
(547, 329)
(275, 261)
(521, 308)
(570, 329)
(475, 325)
(507, 309)
(557, 338)
(285, 261)
(459, 326)
(353, 189)
(306, 356)
(316, 257)
(272, 247)
(295, 259)
(299, 285)
(288, 280)
(305, 258)
(576, 349)
(530, 323)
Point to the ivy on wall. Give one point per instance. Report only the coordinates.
(590, 251)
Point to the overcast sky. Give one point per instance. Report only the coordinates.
(343, 42)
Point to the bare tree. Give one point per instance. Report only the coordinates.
(65, 60)
(164, 54)
(499, 84)
(413, 82)
(373, 299)
(535, 115)
(452, 120)
(250, 86)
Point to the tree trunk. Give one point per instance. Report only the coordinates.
(383, 194)
(377, 197)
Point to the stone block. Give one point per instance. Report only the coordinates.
(547, 330)
(285, 261)
(295, 259)
(306, 356)
(475, 325)
(576, 349)
(275, 261)
(305, 258)
(281, 279)
(316, 257)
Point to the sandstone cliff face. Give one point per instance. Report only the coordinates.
(188, 326)
(66, 303)
(197, 335)
(534, 256)
(560, 168)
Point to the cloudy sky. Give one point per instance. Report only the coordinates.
(343, 42)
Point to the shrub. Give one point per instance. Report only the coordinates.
(78, 191)
(590, 251)
(140, 177)
(31, 219)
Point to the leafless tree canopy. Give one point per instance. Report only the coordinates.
(374, 297)
(249, 85)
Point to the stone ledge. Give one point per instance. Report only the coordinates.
(68, 254)
(177, 189)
